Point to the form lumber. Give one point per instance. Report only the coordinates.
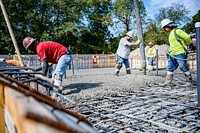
(2, 123)
(20, 105)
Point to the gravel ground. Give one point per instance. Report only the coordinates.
(89, 83)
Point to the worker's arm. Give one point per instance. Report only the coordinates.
(184, 36)
(134, 43)
(45, 66)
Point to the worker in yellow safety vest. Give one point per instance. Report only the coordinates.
(177, 55)
(15, 56)
(151, 55)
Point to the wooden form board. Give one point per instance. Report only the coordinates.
(28, 115)
(20, 105)
(2, 123)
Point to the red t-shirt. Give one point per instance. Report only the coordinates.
(51, 51)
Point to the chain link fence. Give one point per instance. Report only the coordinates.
(89, 61)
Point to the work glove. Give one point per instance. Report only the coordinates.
(138, 41)
(69, 52)
(192, 47)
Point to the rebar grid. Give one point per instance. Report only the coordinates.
(149, 109)
(31, 78)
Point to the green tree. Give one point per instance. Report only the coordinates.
(190, 27)
(46, 20)
(176, 12)
(81, 24)
(98, 18)
(124, 14)
(155, 34)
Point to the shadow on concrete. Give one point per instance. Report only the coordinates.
(77, 87)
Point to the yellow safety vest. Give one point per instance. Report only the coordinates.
(151, 52)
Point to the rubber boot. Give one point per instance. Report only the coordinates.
(150, 68)
(168, 80)
(57, 83)
(128, 71)
(188, 77)
(117, 72)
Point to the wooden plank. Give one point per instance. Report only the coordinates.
(35, 127)
(20, 106)
(11, 97)
(10, 125)
(2, 121)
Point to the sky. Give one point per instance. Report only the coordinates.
(152, 6)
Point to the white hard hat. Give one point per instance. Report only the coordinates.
(130, 33)
(165, 22)
(150, 44)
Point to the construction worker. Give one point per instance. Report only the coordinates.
(177, 55)
(15, 56)
(151, 55)
(50, 52)
(123, 52)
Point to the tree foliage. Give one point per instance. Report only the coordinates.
(83, 25)
(176, 12)
(124, 14)
(190, 27)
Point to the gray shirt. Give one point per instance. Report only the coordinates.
(123, 49)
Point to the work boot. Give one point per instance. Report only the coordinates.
(128, 71)
(150, 68)
(117, 72)
(188, 77)
(168, 80)
(57, 83)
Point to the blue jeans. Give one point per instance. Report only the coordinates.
(150, 61)
(121, 60)
(62, 65)
(174, 63)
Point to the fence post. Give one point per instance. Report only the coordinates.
(197, 26)
(156, 61)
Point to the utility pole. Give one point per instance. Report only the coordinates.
(11, 33)
(140, 35)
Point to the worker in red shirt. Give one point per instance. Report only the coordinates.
(50, 52)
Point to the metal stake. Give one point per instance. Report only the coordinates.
(197, 26)
(156, 62)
